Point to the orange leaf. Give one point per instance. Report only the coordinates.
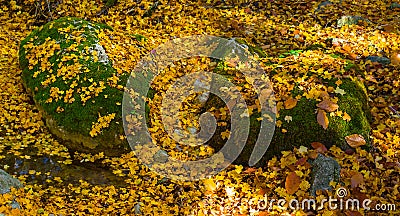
(263, 213)
(353, 56)
(347, 48)
(292, 183)
(356, 180)
(319, 147)
(250, 170)
(346, 117)
(328, 105)
(290, 103)
(313, 154)
(355, 140)
(322, 119)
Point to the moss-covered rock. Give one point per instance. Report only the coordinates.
(298, 126)
(74, 85)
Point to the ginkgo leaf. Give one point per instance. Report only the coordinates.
(292, 183)
(322, 119)
(328, 105)
(356, 179)
(355, 140)
(339, 91)
(346, 117)
(290, 103)
(209, 184)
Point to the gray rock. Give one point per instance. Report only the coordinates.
(324, 171)
(323, 4)
(350, 20)
(101, 53)
(394, 5)
(7, 182)
(379, 59)
(160, 157)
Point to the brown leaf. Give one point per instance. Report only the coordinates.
(356, 179)
(292, 183)
(319, 147)
(290, 103)
(301, 161)
(313, 154)
(328, 105)
(250, 170)
(322, 119)
(353, 213)
(355, 140)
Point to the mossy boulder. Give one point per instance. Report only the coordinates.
(298, 126)
(74, 85)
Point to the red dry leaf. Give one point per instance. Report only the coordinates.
(328, 105)
(322, 119)
(292, 183)
(250, 170)
(290, 103)
(319, 147)
(356, 179)
(355, 140)
(301, 161)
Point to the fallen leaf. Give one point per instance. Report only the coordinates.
(250, 170)
(328, 105)
(339, 91)
(356, 180)
(313, 154)
(353, 213)
(301, 161)
(319, 147)
(346, 117)
(292, 183)
(209, 185)
(290, 103)
(355, 140)
(322, 119)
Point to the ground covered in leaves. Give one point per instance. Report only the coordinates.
(296, 36)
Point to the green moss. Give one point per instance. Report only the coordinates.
(78, 116)
(304, 128)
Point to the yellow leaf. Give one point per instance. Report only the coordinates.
(290, 103)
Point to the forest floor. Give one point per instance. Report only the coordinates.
(127, 187)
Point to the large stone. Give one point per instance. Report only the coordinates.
(299, 125)
(7, 182)
(350, 20)
(74, 85)
(324, 171)
(379, 59)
